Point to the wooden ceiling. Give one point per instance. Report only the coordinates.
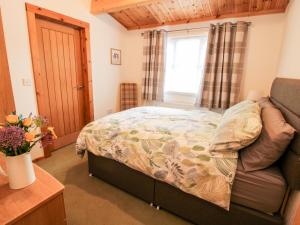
(138, 14)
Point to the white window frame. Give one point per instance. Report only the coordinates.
(183, 98)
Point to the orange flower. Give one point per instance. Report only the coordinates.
(29, 136)
(27, 122)
(51, 131)
(12, 119)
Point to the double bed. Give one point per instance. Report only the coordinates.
(226, 194)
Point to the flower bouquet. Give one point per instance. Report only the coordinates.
(17, 137)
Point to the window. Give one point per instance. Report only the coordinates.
(184, 65)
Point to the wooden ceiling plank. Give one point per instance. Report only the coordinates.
(175, 9)
(234, 15)
(109, 6)
(159, 10)
(143, 15)
(171, 12)
(118, 17)
(181, 8)
(213, 5)
(124, 19)
(167, 11)
(154, 13)
(206, 8)
(130, 18)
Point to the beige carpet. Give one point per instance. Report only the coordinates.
(90, 201)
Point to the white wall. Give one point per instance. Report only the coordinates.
(106, 33)
(261, 62)
(289, 66)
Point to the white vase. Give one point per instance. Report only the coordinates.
(20, 171)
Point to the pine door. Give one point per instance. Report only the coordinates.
(61, 98)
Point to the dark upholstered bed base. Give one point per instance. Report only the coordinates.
(174, 200)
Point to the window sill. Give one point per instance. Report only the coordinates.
(174, 93)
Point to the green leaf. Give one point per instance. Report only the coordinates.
(150, 144)
(160, 174)
(198, 148)
(187, 162)
(192, 185)
(133, 132)
(88, 131)
(203, 157)
(213, 125)
(135, 139)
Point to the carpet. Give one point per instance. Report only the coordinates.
(91, 201)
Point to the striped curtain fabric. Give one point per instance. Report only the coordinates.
(224, 65)
(153, 65)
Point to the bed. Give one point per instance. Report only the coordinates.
(269, 187)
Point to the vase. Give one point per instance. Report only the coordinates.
(20, 171)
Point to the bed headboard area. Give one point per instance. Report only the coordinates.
(285, 94)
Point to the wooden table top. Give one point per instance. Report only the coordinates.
(14, 204)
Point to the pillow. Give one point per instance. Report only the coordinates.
(240, 126)
(265, 102)
(271, 144)
(239, 107)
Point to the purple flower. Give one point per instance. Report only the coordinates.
(47, 139)
(11, 137)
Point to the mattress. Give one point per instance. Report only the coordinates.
(262, 190)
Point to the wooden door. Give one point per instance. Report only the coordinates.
(7, 104)
(61, 98)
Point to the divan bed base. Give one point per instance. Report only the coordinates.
(174, 200)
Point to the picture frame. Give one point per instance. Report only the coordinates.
(115, 56)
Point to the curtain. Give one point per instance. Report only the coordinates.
(153, 65)
(224, 65)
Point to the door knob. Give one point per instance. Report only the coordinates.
(79, 87)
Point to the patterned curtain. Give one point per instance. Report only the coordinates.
(153, 65)
(224, 65)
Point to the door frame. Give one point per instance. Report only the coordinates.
(33, 12)
(4, 59)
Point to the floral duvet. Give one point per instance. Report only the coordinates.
(170, 145)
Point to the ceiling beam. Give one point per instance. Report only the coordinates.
(109, 6)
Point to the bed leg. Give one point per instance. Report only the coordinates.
(90, 174)
(157, 207)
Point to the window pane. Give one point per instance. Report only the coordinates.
(184, 65)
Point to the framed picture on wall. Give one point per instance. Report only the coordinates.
(115, 55)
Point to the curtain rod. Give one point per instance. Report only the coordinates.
(170, 31)
(190, 29)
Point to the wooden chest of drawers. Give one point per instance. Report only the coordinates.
(41, 203)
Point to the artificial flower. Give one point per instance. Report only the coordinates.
(29, 136)
(51, 131)
(18, 135)
(27, 122)
(12, 119)
(12, 137)
(40, 121)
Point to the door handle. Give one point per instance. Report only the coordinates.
(80, 87)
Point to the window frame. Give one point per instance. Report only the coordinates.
(171, 95)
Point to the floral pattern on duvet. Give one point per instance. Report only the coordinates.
(170, 145)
